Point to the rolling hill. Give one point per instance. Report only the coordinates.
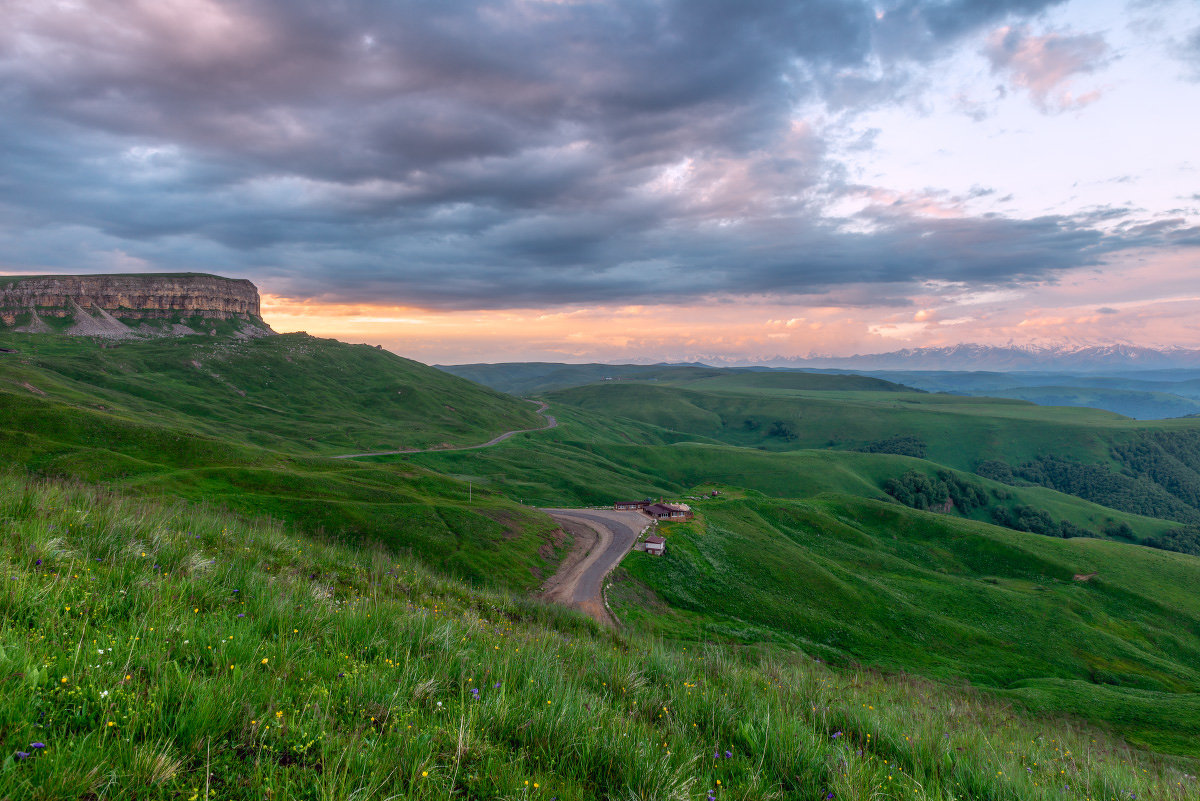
(246, 428)
(536, 378)
(288, 392)
(241, 660)
(1144, 467)
(853, 580)
(811, 467)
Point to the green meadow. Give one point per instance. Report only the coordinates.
(147, 438)
(854, 580)
(160, 650)
(592, 460)
(830, 638)
(290, 392)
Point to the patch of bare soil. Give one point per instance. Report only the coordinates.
(558, 587)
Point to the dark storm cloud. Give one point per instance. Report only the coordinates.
(456, 154)
(1190, 52)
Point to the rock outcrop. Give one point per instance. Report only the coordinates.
(133, 305)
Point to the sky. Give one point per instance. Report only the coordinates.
(629, 180)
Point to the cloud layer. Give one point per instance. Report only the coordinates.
(508, 153)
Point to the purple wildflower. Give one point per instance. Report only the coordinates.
(38, 746)
(22, 755)
(496, 686)
(830, 796)
(241, 614)
(716, 755)
(837, 734)
(729, 755)
(38, 563)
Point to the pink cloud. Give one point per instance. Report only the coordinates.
(1045, 65)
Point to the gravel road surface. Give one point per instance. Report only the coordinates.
(607, 535)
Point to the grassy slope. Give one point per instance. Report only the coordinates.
(737, 380)
(478, 536)
(1138, 404)
(526, 378)
(174, 652)
(854, 579)
(289, 392)
(534, 378)
(593, 460)
(405, 506)
(959, 431)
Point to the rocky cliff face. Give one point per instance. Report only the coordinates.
(123, 306)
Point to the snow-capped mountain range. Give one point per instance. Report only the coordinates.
(1005, 359)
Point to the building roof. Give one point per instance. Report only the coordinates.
(668, 509)
(654, 539)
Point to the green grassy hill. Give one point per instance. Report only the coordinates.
(141, 417)
(289, 392)
(838, 571)
(957, 431)
(160, 651)
(1144, 467)
(854, 580)
(475, 535)
(1138, 404)
(536, 378)
(737, 380)
(591, 460)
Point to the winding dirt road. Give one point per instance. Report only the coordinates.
(602, 538)
(542, 407)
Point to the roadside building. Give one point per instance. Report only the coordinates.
(669, 511)
(656, 545)
(634, 505)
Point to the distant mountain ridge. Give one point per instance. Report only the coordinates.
(1005, 358)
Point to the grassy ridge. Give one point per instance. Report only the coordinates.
(158, 441)
(168, 651)
(474, 535)
(289, 392)
(535, 378)
(594, 460)
(958, 431)
(854, 579)
(1142, 467)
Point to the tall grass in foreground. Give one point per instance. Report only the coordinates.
(170, 651)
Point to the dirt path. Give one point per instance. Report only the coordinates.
(542, 407)
(602, 538)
